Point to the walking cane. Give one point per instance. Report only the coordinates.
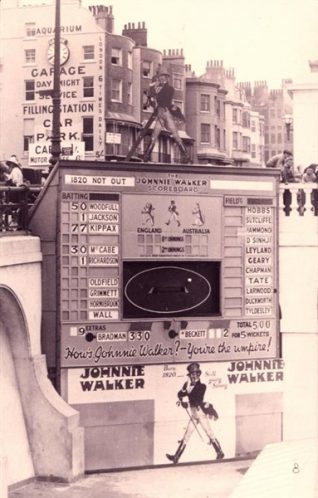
(191, 419)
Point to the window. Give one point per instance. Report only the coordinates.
(147, 69)
(30, 29)
(205, 102)
(217, 137)
(88, 86)
(234, 116)
(217, 107)
(177, 82)
(116, 57)
(253, 151)
(279, 138)
(246, 144)
(266, 138)
(29, 55)
(272, 113)
(145, 106)
(205, 133)
(29, 90)
(253, 125)
(116, 90)
(235, 140)
(28, 133)
(129, 93)
(88, 52)
(246, 119)
(27, 140)
(273, 138)
(130, 60)
(88, 133)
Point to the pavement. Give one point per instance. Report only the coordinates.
(204, 480)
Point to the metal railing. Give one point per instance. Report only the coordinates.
(15, 203)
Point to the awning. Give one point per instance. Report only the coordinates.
(183, 134)
(216, 157)
(122, 116)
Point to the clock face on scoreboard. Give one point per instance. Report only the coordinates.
(64, 52)
(171, 289)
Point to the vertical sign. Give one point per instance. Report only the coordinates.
(259, 269)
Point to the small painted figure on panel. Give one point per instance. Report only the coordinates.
(199, 413)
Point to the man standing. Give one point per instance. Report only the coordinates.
(200, 412)
(162, 92)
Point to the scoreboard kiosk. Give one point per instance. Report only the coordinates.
(150, 267)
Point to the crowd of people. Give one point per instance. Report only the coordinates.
(284, 162)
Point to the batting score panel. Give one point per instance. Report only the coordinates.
(162, 267)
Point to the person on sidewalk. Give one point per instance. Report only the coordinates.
(200, 412)
(161, 97)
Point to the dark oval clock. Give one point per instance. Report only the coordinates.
(167, 289)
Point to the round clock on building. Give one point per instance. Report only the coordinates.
(64, 52)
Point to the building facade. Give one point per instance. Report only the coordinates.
(227, 129)
(104, 82)
(26, 85)
(275, 106)
(205, 114)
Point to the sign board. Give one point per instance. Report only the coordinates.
(155, 270)
(40, 152)
(162, 267)
(113, 138)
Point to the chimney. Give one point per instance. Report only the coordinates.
(215, 72)
(104, 17)
(137, 33)
(174, 55)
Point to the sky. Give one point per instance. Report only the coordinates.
(261, 39)
(267, 40)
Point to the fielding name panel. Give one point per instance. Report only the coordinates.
(159, 267)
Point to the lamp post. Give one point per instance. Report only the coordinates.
(288, 120)
(56, 94)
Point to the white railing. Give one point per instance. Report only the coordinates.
(298, 199)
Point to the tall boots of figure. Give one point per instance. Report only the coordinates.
(216, 445)
(175, 458)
